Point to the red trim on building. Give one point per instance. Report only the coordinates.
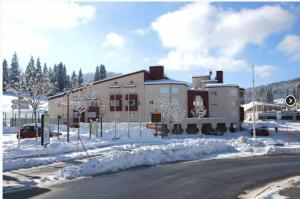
(191, 97)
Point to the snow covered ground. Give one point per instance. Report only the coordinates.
(112, 155)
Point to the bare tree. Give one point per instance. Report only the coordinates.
(80, 101)
(169, 108)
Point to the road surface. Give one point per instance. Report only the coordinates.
(225, 178)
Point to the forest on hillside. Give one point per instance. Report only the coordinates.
(277, 90)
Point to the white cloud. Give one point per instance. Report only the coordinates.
(48, 14)
(202, 35)
(140, 31)
(290, 46)
(22, 24)
(264, 71)
(114, 40)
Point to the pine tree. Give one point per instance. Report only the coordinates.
(103, 74)
(74, 81)
(97, 74)
(269, 97)
(30, 70)
(61, 77)
(80, 79)
(39, 71)
(5, 76)
(14, 72)
(65, 77)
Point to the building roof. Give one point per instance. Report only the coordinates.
(165, 81)
(98, 82)
(220, 85)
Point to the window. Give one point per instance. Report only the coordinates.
(175, 90)
(214, 93)
(115, 103)
(91, 114)
(131, 102)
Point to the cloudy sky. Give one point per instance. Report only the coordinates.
(187, 38)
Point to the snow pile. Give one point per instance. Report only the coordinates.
(271, 190)
(147, 155)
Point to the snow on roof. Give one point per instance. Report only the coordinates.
(209, 81)
(198, 76)
(220, 85)
(166, 81)
(250, 105)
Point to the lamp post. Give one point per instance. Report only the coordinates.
(128, 86)
(114, 104)
(253, 103)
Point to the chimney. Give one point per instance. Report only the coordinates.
(156, 72)
(219, 76)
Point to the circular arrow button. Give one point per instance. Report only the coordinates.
(290, 100)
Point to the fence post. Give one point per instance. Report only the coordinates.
(15, 119)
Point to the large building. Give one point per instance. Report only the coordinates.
(222, 101)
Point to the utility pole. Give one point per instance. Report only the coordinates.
(253, 103)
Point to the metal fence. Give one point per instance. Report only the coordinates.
(11, 119)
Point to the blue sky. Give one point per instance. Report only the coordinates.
(187, 38)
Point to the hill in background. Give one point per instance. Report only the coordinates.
(278, 90)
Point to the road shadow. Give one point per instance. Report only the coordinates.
(28, 193)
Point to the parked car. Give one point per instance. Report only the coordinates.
(261, 131)
(29, 131)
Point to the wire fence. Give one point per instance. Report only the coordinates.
(11, 119)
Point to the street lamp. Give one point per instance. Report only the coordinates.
(114, 103)
(131, 85)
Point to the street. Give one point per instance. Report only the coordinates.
(225, 178)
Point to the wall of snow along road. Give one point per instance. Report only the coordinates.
(188, 149)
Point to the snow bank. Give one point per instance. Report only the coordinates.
(147, 155)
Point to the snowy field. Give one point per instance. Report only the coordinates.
(109, 155)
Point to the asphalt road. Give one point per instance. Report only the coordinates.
(225, 178)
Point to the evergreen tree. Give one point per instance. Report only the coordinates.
(80, 79)
(74, 81)
(61, 77)
(103, 74)
(30, 70)
(65, 77)
(5, 76)
(97, 74)
(14, 72)
(39, 71)
(68, 83)
(269, 97)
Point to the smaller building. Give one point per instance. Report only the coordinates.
(268, 111)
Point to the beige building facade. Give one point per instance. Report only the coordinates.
(139, 90)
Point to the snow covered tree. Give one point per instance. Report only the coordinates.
(199, 110)
(97, 74)
(103, 74)
(74, 81)
(38, 71)
(30, 70)
(5, 76)
(269, 97)
(80, 79)
(14, 72)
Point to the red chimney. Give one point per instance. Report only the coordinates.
(219, 76)
(156, 72)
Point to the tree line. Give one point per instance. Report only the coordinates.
(278, 90)
(58, 77)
